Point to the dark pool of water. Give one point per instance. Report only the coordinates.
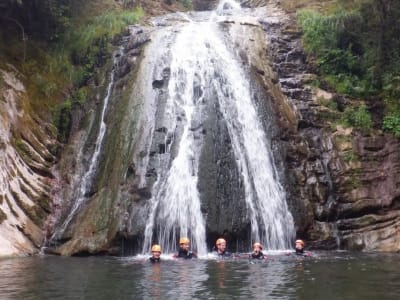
(333, 275)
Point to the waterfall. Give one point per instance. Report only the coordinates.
(85, 182)
(202, 66)
(176, 203)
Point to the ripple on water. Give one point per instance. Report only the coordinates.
(327, 275)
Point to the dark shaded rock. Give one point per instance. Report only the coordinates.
(204, 4)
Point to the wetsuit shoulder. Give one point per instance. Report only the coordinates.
(257, 256)
(154, 260)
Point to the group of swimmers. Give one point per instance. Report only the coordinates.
(220, 250)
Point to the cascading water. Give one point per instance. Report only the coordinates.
(85, 182)
(176, 204)
(203, 66)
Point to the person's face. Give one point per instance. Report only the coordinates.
(156, 254)
(299, 246)
(257, 249)
(185, 246)
(221, 247)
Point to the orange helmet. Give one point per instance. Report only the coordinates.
(220, 241)
(184, 240)
(156, 248)
(257, 245)
(300, 242)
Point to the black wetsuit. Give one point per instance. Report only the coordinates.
(260, 255)
(154, 260)
(185, 254)
(301, 252)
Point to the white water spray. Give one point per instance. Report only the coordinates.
(175, 207)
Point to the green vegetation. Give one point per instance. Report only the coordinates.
(355, 47)
(359, 118)
(87, 48)
(63, 52)
(391, 123)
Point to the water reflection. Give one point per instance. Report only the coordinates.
(152, 281)
(179, 279)
(226, 279)
(327, 276)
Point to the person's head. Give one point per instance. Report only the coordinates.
(257, 247)
(299, 245)
(221, 245)
(184, 243)
(156, 251)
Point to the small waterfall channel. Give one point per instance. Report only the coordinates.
(84, 185)
(201, 69)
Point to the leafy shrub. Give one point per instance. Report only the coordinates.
(88, 48)
(359, 118)
(391, 123)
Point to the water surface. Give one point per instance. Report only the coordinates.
(334, 275)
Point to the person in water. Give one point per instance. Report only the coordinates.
(155, 254)
(220, 250)
(299, 248)
(257, 252)
(184, 252)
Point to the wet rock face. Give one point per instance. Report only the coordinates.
(114, 197)
(220, 182)
(368, 203)
(27, 154)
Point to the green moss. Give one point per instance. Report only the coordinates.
(350, 156)
(28, 156)
(353, 180)
(38, 145)
(329, 103)
(42, 200)
(21, 147)
(186, 3)
(35, 213)
(340, 139)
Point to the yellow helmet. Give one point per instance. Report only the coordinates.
(220, 241)
(156, 248)
(300, 242)
(184, 240)
(257, 245)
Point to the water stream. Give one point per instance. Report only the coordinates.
(203, 67)
(80, 196)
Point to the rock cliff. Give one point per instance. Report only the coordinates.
(27, 154)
